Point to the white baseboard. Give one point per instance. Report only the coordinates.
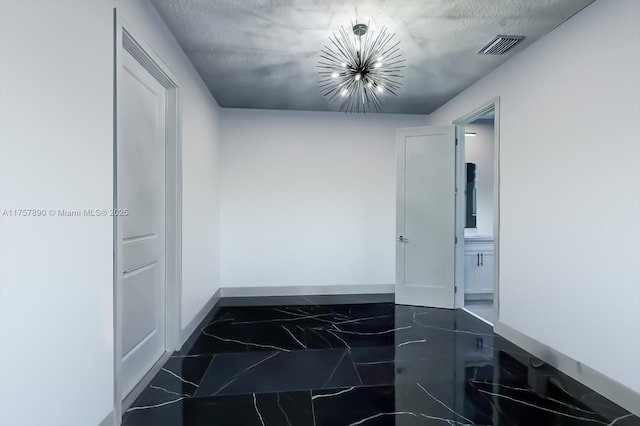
(110, 420)
(307, 290)
(299, 290)
(473, 314)
(195, 321)
(625, 397)
(144, 382)
(479, 295)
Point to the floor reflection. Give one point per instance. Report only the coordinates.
(334, 361)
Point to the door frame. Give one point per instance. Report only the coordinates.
(460, 123)
(126, 38)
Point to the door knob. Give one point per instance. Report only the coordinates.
(402, 239)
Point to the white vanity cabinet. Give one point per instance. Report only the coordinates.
(478, 268)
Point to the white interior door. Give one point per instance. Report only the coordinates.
(425, 247)
(141, 236)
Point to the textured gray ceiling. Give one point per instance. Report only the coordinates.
(264, 53)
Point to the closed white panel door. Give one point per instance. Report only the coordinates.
(425, 216)
(141, 190)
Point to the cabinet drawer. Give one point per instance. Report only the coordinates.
(478, 246)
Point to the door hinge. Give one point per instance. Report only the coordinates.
(455, 289)
(456, 240)
(456, 141)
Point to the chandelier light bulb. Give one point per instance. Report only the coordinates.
(358, 77)
(380, 89)
(378, 64)
(334, 74)
(344, 92)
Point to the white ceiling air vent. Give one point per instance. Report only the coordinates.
(500, 45)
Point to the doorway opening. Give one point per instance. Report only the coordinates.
(477, 212)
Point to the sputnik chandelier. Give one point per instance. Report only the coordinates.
(359, 69)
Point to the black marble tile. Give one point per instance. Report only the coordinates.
(273, 409)
(524, 406)
(307, 316)
(230, 368)
(250, 337)
(278, 371)
(373, 354)
(375, 365)
(299, 327)
(179, 377)
(387, 366)
(343, 374)
(378, 372)
(228, 340)
(410, 404)
(340, 407)
(325, 337)
(187, 347)
(266, 314)
(539, 384)
(257, 329)
(365, 310)
(363, 363)
(457, 403)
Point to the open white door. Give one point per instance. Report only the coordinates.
(425, 216)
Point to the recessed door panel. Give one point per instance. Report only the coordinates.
(139, 296)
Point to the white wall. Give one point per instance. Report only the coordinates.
(56, 142)
(479, 150)
(308, 198)
(570, 252)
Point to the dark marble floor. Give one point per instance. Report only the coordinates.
(333, 361)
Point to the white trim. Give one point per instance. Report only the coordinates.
(117, 258)
(110, 420)
(476, 113)
(125, 37)
(461, 217)
(477, 316)
(496, 208)
(144, 382)
(473, 296)
(307, 290)
(185, 333)
(493, 104)
(199, 317)
(620, 394)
